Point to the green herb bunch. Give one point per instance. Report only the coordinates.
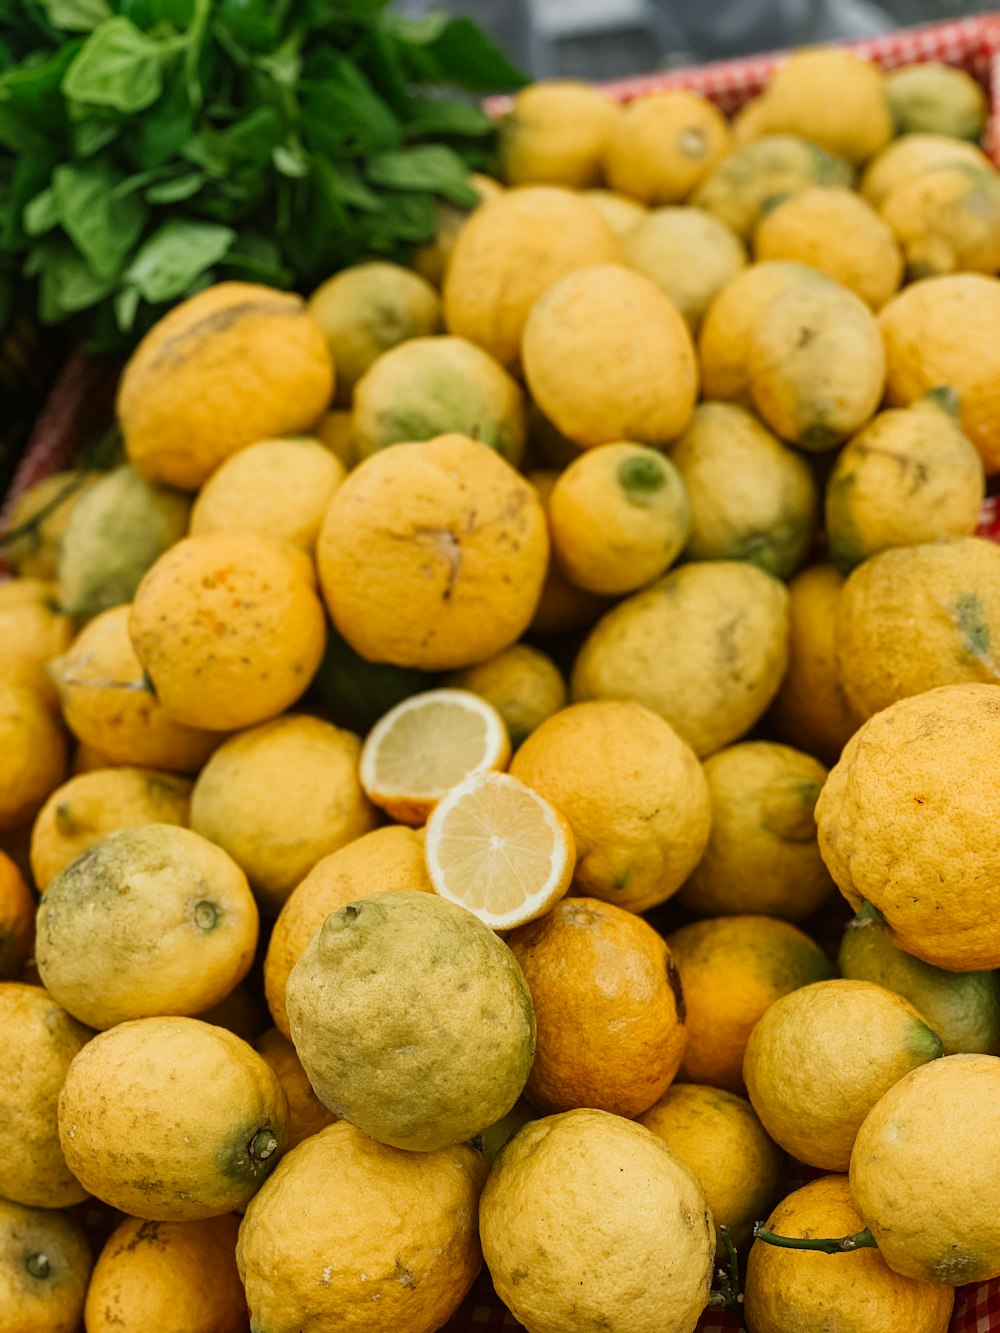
(150, 147)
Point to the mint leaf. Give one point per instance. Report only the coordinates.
(41, 214)
(118, 66)
(101, 218)
(175, 255)
(175, 188)
(455, 52)
(76, 15)
(429, 167)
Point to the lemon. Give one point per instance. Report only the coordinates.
(17, 919)
(608, 357)
(556, 133)
(816, 365)
(176, 1277)
(947, 331)
(32, 632)
(389, 1245)
(333, 432)
(41, 1040)
(562, 605)
(732, 969)
(947, 219)
(279, 797)
(229, 628)
(751, 497)
(93, 804)
(412, 1020)
(306, 1113)
(905, 824)
(733, 621)
(932, 1225)
(609, 1008)
(633, 792)
(388, 858)
(836, 231)
(689, 253)
(930, 97)
(40, 514)
(620, 211)
(148, 921)
(435, 386)
(768, 168)
(236, 363)
(762, 854)
(511, 250)
(795, 1289)
(171, 1119)
(914, 617)
(45, 1264)
(833, 98)
(432, 555)
(277, 488)
(522, 683)
(619, 517)
(721, 1139)
(432, 259)
(368, 308)
(820, 1058)
(664, 145)
(909, 477)
(963, 1008)
(810, 710)
(909, 156)
(570, 1190)
(33, 754)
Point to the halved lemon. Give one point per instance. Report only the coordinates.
(496, 847)
(428, 744)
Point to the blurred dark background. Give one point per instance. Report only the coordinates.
(606, 39)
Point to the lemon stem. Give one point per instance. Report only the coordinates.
(862, 1240)
(725, 1294)
(867, 915)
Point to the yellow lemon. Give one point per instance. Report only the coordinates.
(569, 1190)
(522, 683)
(947, 331)
(236, 363)
(228, 628)
(389, 1245)
(171, 1119)
(562, 605)
(633, 792)
(619, 517)
(751, 497)
(947, 219)
(368, 308)
(908, 157)
(930, 97)
(277, 488)
(306, 1113)
(733, 621)
(762, 854)
(904, 824)
(608, 357)
(32, 632)
(664, 145)
(556, 133)
(820, 1058)
(732, 969)
(38, 519)
(431, 260)
(837, 232)
(721, 1139)
(412, 1020)
(937, 1226)
(41, 1039)
(333, 431)
(510, 251)
(33, 754)
(387, 859)
(795, 1289)
(913, 617)
(45, 1264)
(148, 921)
(93, 804)
(620, 211)
(108, 703)
(689, 253)
(833, 98)
(17, 919)
(176, 1277)
(279, 797)
(432, 554)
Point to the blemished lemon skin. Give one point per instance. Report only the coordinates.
(570, 1190)
(908, 156)
(796, 1289)
(925, 1171)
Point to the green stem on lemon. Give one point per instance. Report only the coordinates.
(725, 1295)
(867, 915)
(861, 1240)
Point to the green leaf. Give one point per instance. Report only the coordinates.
(347, 185)
(77, 15)
(126, 307)
(250, 142)
(41, 214)
(454, 51)
(412, 217)
(341, 110)
(29, 176)
(92, 133)
(34, 88)
(431, 116)
(291, 159)
(102, 220)
(175, 256)
(428, 167)
(67, 284)
(257, 258)
(176, 188)
(118, 66)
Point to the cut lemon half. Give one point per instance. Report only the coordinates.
(419, 750)
(496, 847)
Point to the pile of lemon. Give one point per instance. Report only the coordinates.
(429, 758)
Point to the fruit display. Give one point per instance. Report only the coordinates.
(497, 795)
